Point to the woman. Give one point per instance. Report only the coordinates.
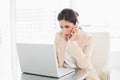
(73, 45)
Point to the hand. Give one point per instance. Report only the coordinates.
(75, 35)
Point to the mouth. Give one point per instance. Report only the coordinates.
(67, 35)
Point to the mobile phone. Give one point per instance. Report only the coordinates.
(72, 32)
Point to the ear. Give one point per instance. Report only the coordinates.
(78, 25)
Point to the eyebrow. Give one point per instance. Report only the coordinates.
(66, 26)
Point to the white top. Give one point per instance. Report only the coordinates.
(69, 62)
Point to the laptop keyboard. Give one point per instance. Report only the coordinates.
(64, 71)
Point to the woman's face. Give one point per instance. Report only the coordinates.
(66, 27)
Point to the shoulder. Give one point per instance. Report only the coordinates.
(59, 35)
(89, 35)
(86, 36)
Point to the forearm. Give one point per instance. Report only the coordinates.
(78, 54)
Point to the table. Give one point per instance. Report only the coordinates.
(77, 75)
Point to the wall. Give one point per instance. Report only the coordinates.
(5, 38)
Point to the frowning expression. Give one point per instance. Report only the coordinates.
(66, 27)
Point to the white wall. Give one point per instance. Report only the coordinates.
(36, 22)
(5, 45)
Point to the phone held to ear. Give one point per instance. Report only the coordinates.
(72, 32)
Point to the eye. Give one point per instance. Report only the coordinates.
(61, 27)
(67, 26)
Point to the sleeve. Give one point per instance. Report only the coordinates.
(82, 56)
(56, 51)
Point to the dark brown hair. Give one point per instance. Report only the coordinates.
(68, 15)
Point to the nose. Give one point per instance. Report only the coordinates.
(64, 30)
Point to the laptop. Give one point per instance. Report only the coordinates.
(77, 75)
(40, 59)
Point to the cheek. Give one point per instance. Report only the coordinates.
(69, 30)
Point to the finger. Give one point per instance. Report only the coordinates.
(76, 30)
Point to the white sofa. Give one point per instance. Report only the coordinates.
(100, 55)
